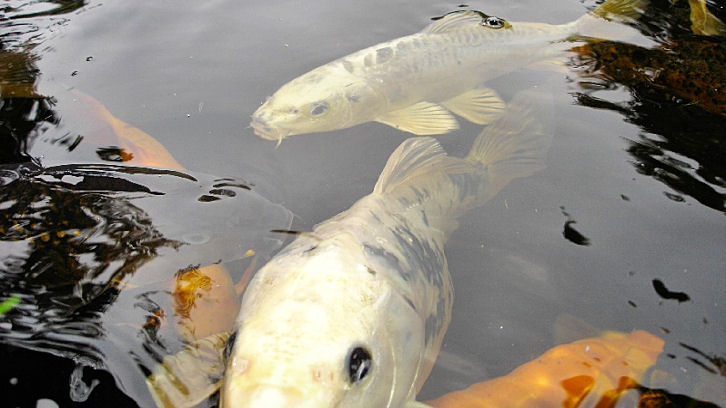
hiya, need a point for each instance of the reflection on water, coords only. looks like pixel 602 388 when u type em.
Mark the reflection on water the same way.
pixel 678 101
pixel 73 237
pixel 26 23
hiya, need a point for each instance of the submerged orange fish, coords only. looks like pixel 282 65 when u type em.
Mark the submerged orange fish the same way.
pixel 589 372
pixel 205 298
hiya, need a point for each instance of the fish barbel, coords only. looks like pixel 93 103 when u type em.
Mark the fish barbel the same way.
pixel 353 313
pixel 413 83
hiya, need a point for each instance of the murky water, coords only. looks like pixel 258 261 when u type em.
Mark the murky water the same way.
pixel 624 230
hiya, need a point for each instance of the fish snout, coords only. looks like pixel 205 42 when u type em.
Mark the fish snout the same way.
pixel 264 129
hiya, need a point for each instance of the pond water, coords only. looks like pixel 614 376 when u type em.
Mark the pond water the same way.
pixel 623 230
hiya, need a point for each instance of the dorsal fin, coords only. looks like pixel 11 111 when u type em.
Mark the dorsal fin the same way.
pixel 456 20
pixel 407 161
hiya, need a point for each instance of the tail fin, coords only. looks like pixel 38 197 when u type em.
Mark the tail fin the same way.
pixel 607 20
pixel 621 11
pixel 419 171
pixel 516 144
pixel 703 22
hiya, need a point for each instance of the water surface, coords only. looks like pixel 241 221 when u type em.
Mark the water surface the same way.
pixel 633 194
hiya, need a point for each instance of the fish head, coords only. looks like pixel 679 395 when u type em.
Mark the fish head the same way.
pixel 324 99
pixel 327 333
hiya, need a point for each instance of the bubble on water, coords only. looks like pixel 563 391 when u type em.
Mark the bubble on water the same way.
pixel 196 238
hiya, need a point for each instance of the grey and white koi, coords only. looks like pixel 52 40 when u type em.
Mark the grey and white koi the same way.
pixel 353 314
pixel 413 83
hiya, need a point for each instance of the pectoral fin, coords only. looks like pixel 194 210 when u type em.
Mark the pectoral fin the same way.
pixel 190 376
pixel 516 144
pixel 423 118
pixel 481 105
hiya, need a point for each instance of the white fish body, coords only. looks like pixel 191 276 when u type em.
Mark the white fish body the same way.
pixel 414 82
pixel 353 314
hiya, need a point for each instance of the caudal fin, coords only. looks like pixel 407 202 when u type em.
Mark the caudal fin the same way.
pixel 703 22
pixel 608 20
pixel 516 144
pixel 621 10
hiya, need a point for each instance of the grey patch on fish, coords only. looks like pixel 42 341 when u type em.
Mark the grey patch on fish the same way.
pixel 424 218
pixel 401 46
pixel 410 303
pixel 375 216
pixel 391 259
pixel 436 320
pixel 383 55
pixel 348 65
pixel 368 60
pixel 433 325
pixel 315 78
pixel 422 252
pixel 352 98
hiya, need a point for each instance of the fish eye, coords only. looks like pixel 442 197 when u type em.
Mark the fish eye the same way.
pixel 318 108
pixel 358 364
pixel 494 22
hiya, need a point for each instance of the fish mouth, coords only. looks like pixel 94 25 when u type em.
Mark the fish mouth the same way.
pixel 265 131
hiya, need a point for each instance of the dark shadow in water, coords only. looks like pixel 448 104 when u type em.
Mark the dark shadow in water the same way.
pixel 660 398
pixel 718 363
pixel 663 292
pixel 677 100
pixel 570 233
pixel 23 112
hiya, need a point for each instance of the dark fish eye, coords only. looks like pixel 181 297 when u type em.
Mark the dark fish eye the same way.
pixel 494 22
pixel 358 363
pixel 318 108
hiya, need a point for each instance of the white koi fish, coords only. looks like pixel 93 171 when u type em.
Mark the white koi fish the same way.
pixel 414 83
pixel 353 314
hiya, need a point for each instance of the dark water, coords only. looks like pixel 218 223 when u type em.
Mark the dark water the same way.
pixel 624 230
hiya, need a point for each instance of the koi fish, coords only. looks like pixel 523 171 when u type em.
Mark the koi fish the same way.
pixel 415 83
pixel 197 292
pixel 588 372
pixel 354 312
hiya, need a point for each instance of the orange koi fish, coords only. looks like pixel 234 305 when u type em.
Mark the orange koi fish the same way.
pixel 200 292
pixel 590 372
